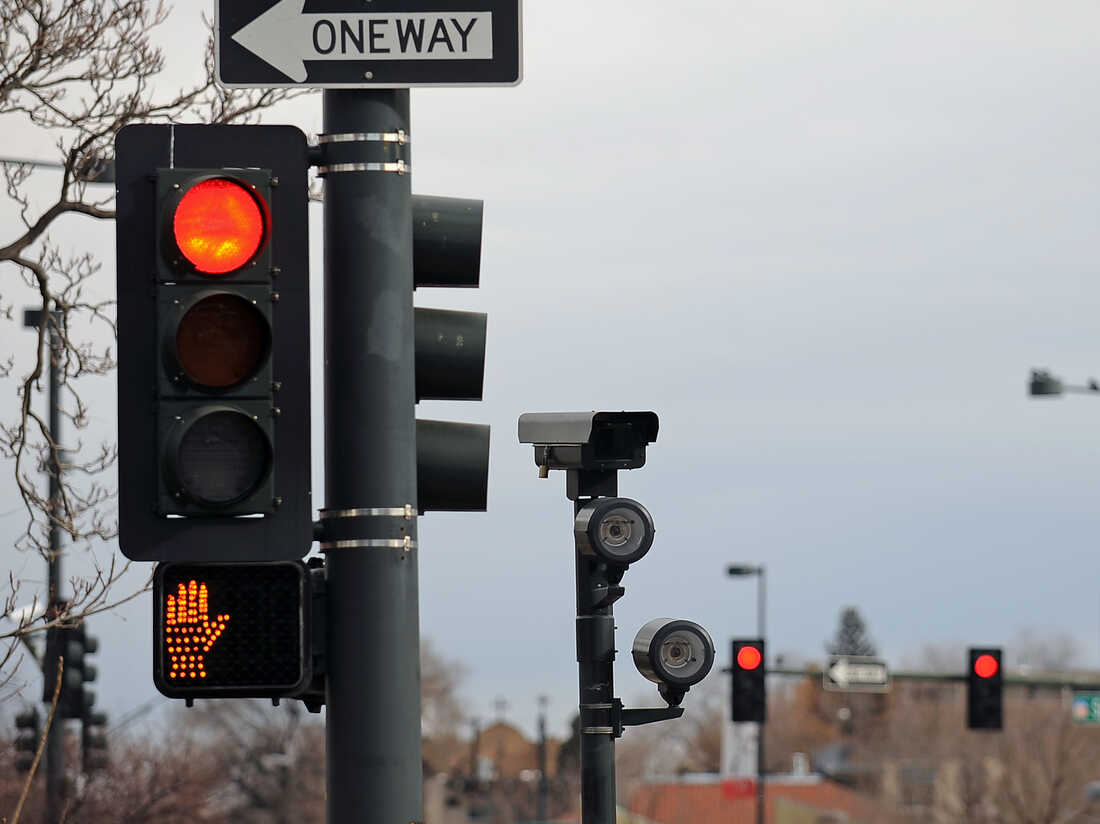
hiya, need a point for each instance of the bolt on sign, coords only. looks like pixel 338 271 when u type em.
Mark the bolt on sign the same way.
pixel 231 630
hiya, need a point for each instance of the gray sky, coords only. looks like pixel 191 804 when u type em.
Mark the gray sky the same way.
pixel 824 243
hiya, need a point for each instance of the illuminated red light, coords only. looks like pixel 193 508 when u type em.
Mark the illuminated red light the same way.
pixel 749 658
pixel 985 666
pixel 218 226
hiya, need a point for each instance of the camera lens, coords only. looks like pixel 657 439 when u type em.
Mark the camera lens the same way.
pixel 681 654
pixel 618 530
pixel 615 530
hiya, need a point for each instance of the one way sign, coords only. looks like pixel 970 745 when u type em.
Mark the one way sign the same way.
pixel 352 44
pixel 856 673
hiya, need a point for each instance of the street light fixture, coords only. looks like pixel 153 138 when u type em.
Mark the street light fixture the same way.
pixel 743 570
pixel 739 571
pixel 1045 384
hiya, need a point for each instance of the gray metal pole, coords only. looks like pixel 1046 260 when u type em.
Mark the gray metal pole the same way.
pixel 55 737
pixel 544 785
pixel 595 666
pixel 761 590
pixel 373 637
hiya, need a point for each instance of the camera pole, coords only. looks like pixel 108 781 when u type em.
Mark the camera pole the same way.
pixel 596 593
pixel 372 633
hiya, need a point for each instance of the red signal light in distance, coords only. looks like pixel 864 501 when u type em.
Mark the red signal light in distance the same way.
pixel 985 666
pixel 749 658
pixel 219 226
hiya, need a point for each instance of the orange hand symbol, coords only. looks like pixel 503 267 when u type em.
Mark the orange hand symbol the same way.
pixel 190 631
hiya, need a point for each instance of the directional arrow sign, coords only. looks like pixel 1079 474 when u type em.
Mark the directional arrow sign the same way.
pixel 397 43
pixel 856 673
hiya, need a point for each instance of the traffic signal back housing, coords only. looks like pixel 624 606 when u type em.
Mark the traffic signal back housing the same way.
pixel 984 689
pixel 213 330
pixel 748 672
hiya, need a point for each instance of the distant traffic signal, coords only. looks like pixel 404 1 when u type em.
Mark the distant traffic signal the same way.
pixel 984 689
pixel 66 646
pixel 231 630
pixel 452 459
pixel 93 740
pixel 748 694
pixel 213 320
pixel 28 735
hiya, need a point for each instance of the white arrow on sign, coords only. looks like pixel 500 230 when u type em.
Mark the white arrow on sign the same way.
pixel 847 673
pixel 285 37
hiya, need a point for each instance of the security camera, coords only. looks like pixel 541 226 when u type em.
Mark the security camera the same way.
pixel 616 530
pixel 600 441
pixel 673 653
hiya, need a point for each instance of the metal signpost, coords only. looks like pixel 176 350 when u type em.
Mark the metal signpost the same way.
pixel 855 673
pixel 212 276
pixel 394 44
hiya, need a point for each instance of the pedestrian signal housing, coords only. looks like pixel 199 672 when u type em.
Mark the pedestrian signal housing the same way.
pixel 231 630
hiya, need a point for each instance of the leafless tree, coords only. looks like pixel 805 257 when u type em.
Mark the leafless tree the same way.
pixel 76 71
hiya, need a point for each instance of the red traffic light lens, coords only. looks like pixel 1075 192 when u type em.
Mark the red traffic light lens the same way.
pixel 222 341
pixel 749 658
pixel 219 226
pixel 986 666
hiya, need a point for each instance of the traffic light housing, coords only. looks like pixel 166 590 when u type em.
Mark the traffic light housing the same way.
pixel 231 630
pixel 72 644
pixel 28 736
pixel 452 459
pixel 213 336
pixel 93 740
pixel 984 689
pixel 748 695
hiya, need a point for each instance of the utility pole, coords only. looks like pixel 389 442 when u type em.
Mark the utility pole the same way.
pixel 372 634
pixel 55 737
pixel 544 784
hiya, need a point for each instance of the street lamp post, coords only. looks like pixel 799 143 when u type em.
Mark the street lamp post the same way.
pixel 738 571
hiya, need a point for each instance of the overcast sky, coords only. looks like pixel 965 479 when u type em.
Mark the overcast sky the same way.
pixel 825 243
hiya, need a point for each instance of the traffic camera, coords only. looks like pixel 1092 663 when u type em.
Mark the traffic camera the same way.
pixel 616 530
pixel 674 654
pixel 598 441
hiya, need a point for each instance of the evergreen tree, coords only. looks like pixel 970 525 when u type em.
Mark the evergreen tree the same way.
pixel 851 635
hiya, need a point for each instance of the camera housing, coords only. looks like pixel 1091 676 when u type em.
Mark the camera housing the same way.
pixel 601 441
pixel 673 653
pixel 618 531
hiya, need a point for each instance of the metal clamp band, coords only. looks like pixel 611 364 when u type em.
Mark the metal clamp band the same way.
pixel 408 512
pixel 405 543
pixel 400 136
pixel 398 166
pixel 598 730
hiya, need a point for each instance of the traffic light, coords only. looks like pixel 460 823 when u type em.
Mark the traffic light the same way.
pixel 28 735
pixel 93 740
pixel 70 644
pixel 452 459
pixel 213 336
pixel 231 630
pixel 748 695
pixel 984 689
